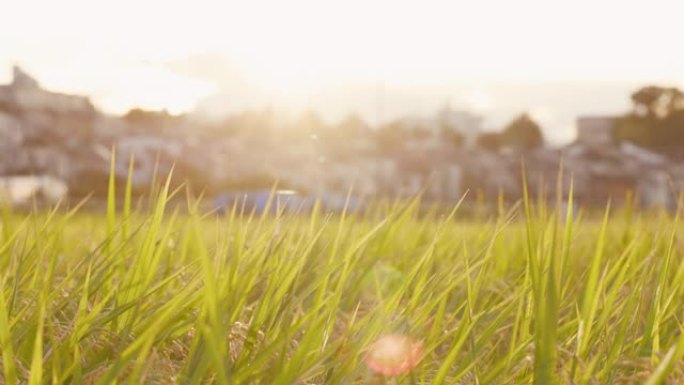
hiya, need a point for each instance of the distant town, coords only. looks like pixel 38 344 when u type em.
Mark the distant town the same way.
pixel 55 145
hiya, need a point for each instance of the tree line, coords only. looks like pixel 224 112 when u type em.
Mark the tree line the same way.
pixel 656 120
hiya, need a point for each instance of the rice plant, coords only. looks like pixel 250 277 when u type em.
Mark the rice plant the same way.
pixel 169 293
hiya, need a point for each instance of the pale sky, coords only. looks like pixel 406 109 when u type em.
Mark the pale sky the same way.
pixel 562 58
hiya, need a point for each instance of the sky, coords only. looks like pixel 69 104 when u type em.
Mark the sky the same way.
pixel 382 59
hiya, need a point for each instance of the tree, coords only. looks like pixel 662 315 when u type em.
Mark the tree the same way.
pixel 310 123
pixel 670 132
pixel 490 141
pixel 451 135
pixel 636 129
pixel 523 134
pixel 657 102
pixel 140 116
pixel 353 126
pixel 657 121
pixel 390 138
pixel 149 121
pixel 350 128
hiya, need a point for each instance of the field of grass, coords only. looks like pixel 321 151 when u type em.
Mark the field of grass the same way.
pixel 160 296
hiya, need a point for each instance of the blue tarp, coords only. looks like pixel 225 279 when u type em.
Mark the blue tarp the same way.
pixel 290 201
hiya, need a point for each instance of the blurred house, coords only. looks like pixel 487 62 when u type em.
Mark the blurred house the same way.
pixel 11 133
pixel 437 175
pixel 603 172
pixel 467 124
pixel 43 132
pixel 23 190
pixel 595 130
pixel 447 127
pixel 150 153
pixel 24 96
pixel 64 137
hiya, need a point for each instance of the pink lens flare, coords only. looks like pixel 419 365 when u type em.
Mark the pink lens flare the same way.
pixel 394 354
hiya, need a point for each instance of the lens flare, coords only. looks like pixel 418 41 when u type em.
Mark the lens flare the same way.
pixel 393 355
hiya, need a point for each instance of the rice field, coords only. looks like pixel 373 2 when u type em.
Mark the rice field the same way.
pixel 395 295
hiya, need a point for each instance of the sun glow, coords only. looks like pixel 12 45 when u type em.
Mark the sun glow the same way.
pixel 119 52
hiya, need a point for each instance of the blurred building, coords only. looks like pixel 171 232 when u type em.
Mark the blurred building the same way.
pixel 24 93
pixel 595 130
pixel 467 124
pixel 23 190
pixel 48 134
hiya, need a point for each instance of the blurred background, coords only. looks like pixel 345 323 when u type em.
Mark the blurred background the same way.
pixel 381 98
